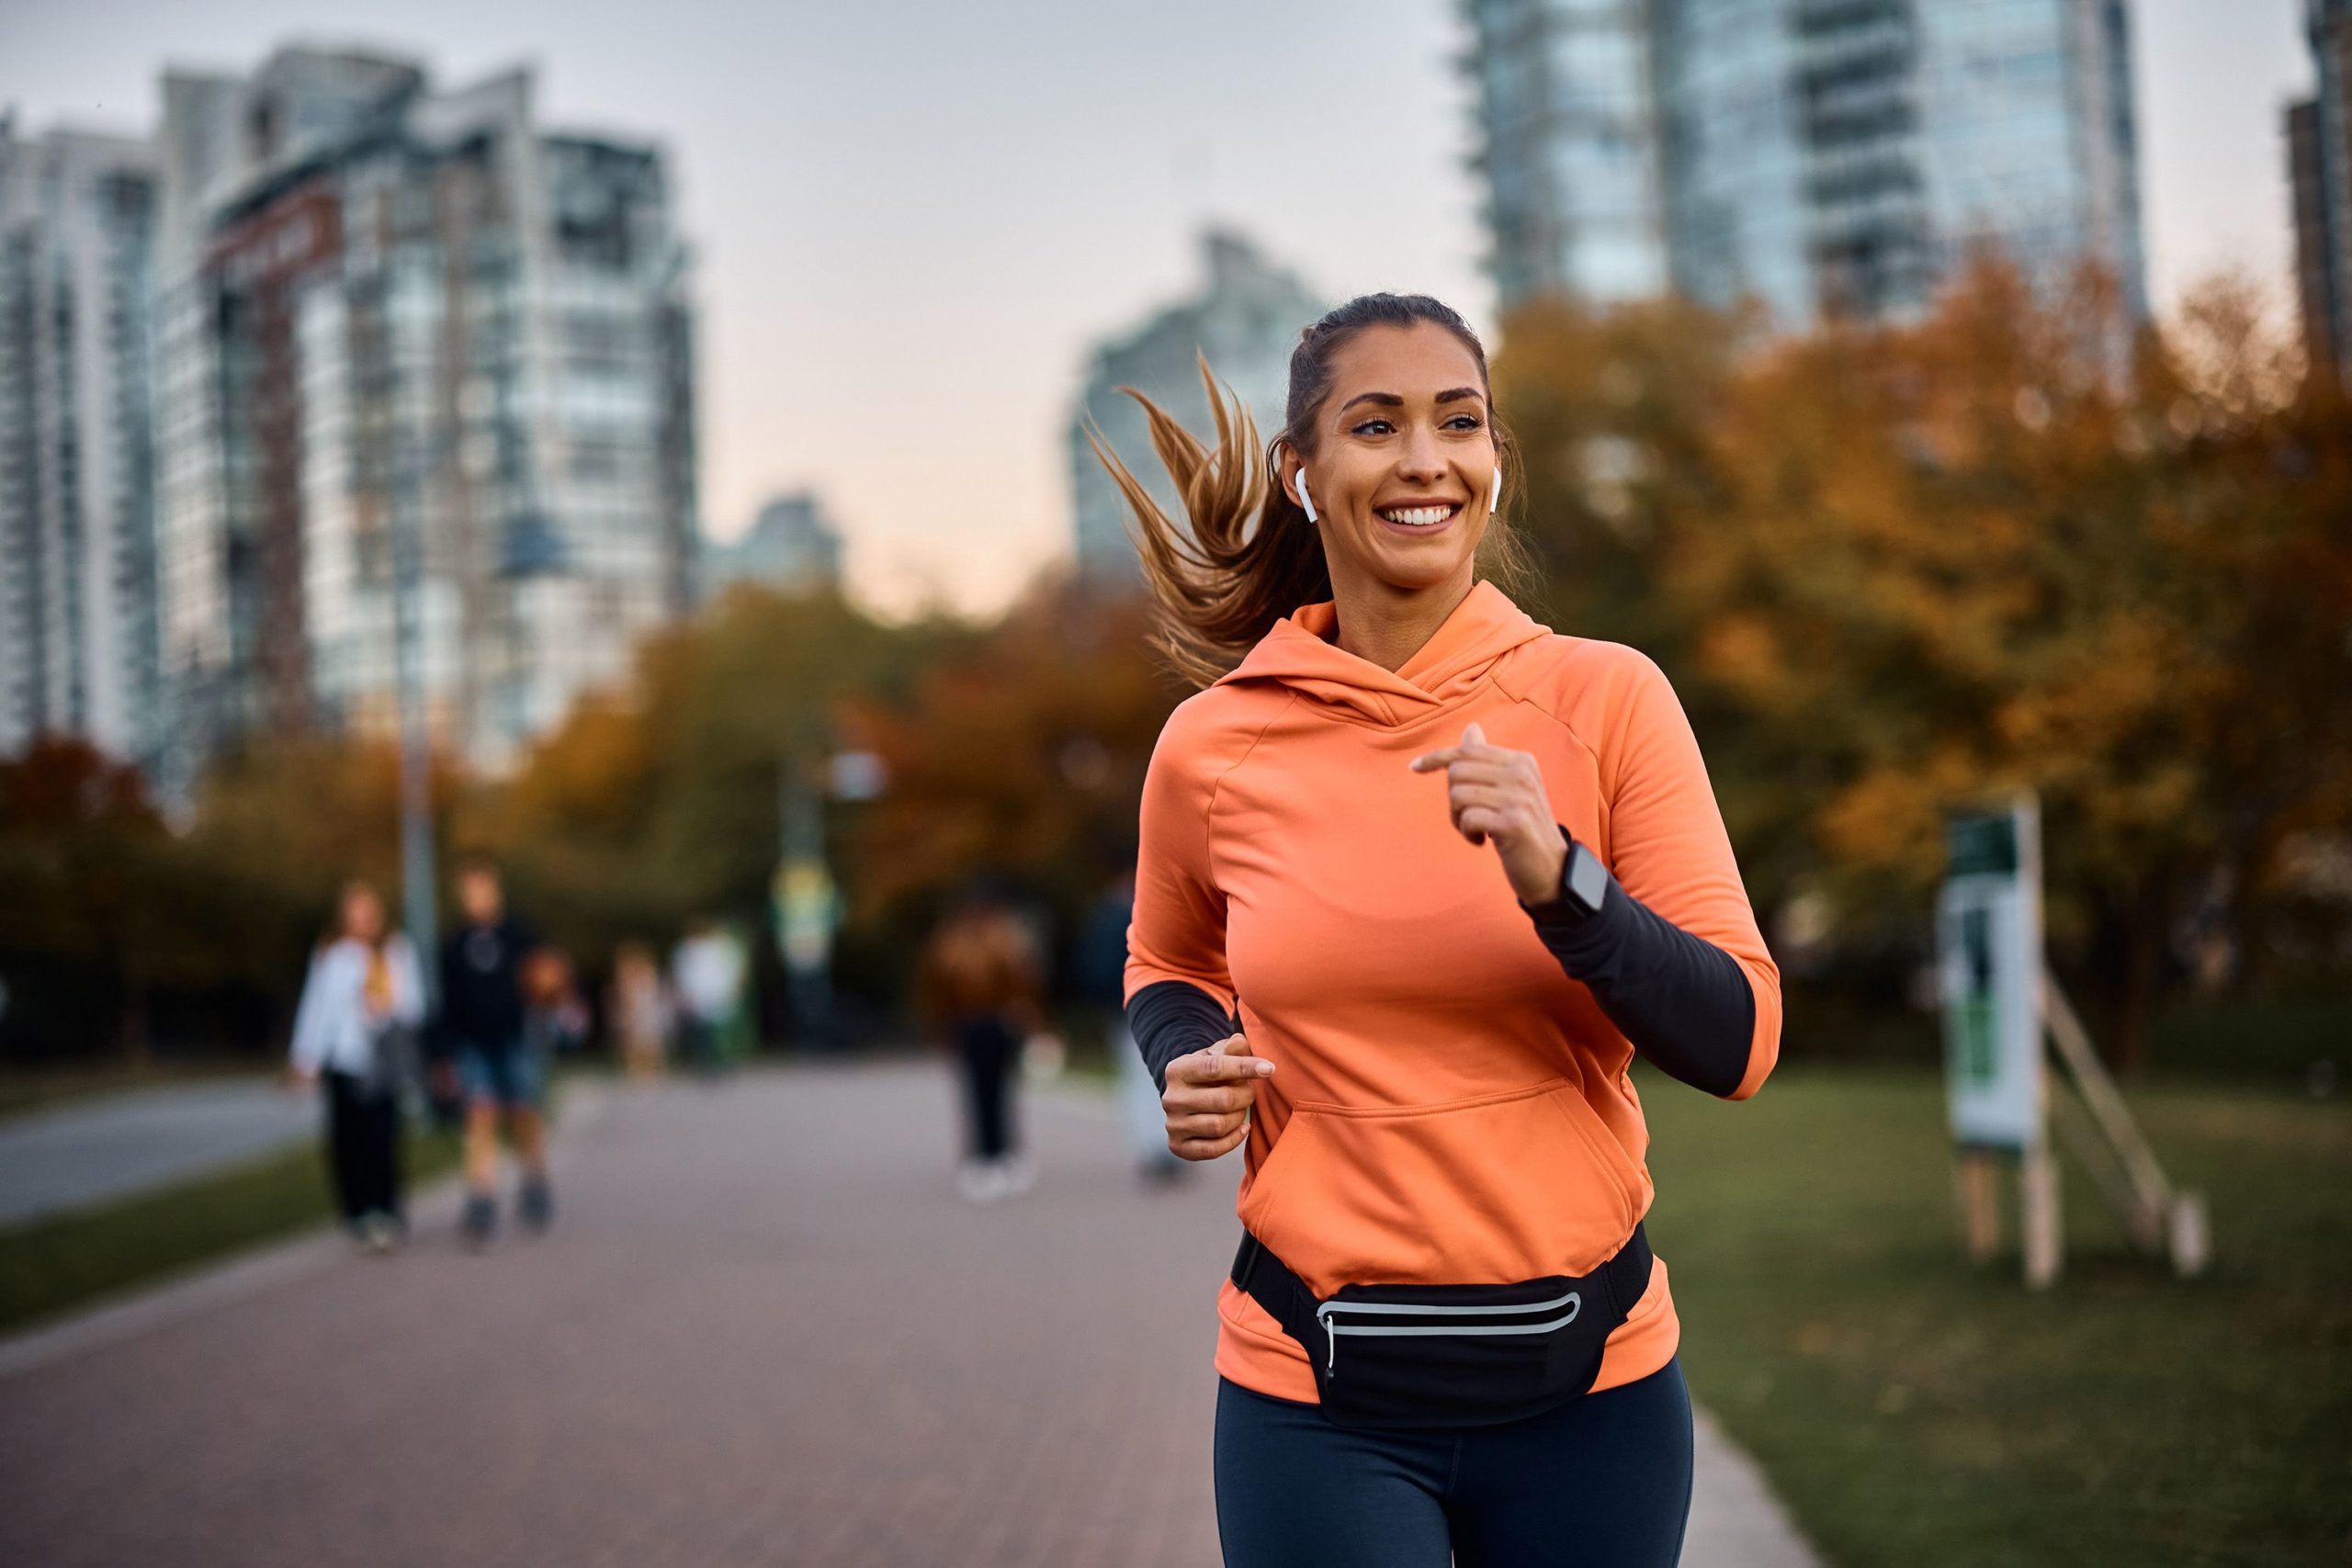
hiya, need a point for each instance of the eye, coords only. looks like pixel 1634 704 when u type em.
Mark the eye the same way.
pixel 1373 427
pixel 1465 421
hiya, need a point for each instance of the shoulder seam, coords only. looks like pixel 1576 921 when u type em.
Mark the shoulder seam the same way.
pixel 1208 816
pixel 1599 765
pixel 1521 695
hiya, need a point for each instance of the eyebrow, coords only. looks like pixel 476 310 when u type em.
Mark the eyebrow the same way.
pixel 1391 401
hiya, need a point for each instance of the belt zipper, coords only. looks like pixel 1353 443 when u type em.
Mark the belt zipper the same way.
pixel 1332 1328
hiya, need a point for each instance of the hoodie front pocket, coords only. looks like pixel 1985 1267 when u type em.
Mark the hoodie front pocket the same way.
pixel 1501 1188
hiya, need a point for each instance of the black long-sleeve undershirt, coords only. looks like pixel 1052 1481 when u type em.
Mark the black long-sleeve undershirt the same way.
pixel 1171 1019
pixel 1682 1001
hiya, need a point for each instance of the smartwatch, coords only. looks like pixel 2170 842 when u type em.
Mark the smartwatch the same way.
pixel 1584 884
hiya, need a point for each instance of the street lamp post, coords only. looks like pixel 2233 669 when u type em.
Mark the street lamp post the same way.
pixel 417 745
pixel 807 898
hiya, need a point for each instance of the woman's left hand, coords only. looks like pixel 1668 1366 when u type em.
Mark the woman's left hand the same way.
pixel 1496 794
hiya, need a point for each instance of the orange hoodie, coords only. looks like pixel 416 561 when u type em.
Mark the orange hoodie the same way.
pixel 1448 1108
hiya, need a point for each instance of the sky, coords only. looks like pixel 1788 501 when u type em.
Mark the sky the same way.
pixel 911 218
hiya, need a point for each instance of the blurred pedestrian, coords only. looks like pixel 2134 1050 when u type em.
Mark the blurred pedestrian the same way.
pixel 354 1030
pixel 706 973
pixel 639 1010
pixel 1100 968
pixel 554 1018
pixel 979 987
pixel 483 1013
pixel 1444 1338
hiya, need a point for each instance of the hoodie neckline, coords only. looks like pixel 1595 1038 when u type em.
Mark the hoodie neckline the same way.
pixel 1297 652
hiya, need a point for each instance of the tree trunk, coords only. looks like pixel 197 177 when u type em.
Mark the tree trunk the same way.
pixel 132 1039
pixel 2144 934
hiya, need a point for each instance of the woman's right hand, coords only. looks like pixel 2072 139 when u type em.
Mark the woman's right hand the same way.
pixel 1208 1098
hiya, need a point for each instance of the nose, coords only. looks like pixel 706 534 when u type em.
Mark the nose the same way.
pixel 1421 460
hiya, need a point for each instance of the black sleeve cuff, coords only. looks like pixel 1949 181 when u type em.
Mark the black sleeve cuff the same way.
pixel 1171 1019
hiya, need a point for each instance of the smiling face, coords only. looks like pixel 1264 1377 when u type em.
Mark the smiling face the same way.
pixel 1401 460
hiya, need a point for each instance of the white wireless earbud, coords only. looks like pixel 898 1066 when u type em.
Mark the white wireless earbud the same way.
pixel 1305 501
pixel 1495 496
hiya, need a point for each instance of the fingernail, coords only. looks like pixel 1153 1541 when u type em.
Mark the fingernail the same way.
pixel 1265 1069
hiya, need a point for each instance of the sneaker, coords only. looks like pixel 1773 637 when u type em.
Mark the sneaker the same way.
pixel 536 1204
pixel 378 1232
pixel 1014 1176
pixel 481 1219
pixel 978 1181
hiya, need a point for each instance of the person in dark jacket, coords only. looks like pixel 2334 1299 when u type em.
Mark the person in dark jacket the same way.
pixel 482 1016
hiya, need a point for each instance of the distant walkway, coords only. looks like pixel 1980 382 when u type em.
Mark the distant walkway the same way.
pixel 89 1150
pixel 765 1330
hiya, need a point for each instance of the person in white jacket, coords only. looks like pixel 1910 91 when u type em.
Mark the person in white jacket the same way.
pixel 361 1005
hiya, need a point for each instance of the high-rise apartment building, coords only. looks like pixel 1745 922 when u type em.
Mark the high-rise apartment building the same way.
pixel 78 642
pixel 1245 321
pixel 387 313
pixel 1826 157
pixel 2319 158
pixel 1575 200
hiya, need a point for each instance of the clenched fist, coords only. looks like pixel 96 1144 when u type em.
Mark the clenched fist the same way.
pixel 1496 796
pixel 1208 1098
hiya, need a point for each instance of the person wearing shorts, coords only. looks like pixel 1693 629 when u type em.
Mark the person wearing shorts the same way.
pixel 500 1078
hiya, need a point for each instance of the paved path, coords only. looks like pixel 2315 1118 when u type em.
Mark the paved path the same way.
pixel 764 1331
pixel 90 1151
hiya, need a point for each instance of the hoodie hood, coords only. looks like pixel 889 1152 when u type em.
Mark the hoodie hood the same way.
pixel 1298 652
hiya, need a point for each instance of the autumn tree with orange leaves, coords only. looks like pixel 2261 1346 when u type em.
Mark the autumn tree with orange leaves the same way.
pixel 1899 571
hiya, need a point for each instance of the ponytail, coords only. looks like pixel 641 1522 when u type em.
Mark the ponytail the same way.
pixel 1221 584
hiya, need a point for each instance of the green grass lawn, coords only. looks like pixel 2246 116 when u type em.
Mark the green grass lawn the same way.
pixel 51 1266
pixel 1915 1411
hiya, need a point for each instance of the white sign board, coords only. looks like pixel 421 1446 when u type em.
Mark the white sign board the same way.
pixel 1988 941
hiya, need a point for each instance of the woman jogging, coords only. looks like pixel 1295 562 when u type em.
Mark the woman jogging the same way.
pixel 1418 878
pixel 356 1028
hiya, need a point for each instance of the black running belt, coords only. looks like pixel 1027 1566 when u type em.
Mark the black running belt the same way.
pixel 1529 1307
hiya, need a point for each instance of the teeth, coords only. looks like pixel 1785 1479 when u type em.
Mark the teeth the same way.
pixel 1419 517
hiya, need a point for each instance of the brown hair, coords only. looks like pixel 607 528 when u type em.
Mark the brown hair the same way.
pixel 344 894
pixel 1222 584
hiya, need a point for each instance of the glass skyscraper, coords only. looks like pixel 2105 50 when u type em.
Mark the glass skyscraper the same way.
pixel 1571 154
pixel 1824 157
pixel 78 641
pixel 2319 154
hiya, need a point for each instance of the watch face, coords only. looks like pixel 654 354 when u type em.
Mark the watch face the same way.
pixel 1587 879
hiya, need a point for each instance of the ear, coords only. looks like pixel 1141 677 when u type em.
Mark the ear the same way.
pixel 1294 482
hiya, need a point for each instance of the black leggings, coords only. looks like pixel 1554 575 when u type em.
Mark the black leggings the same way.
pixel 363 1147
pixel 1604 1480
pixel 989 1049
